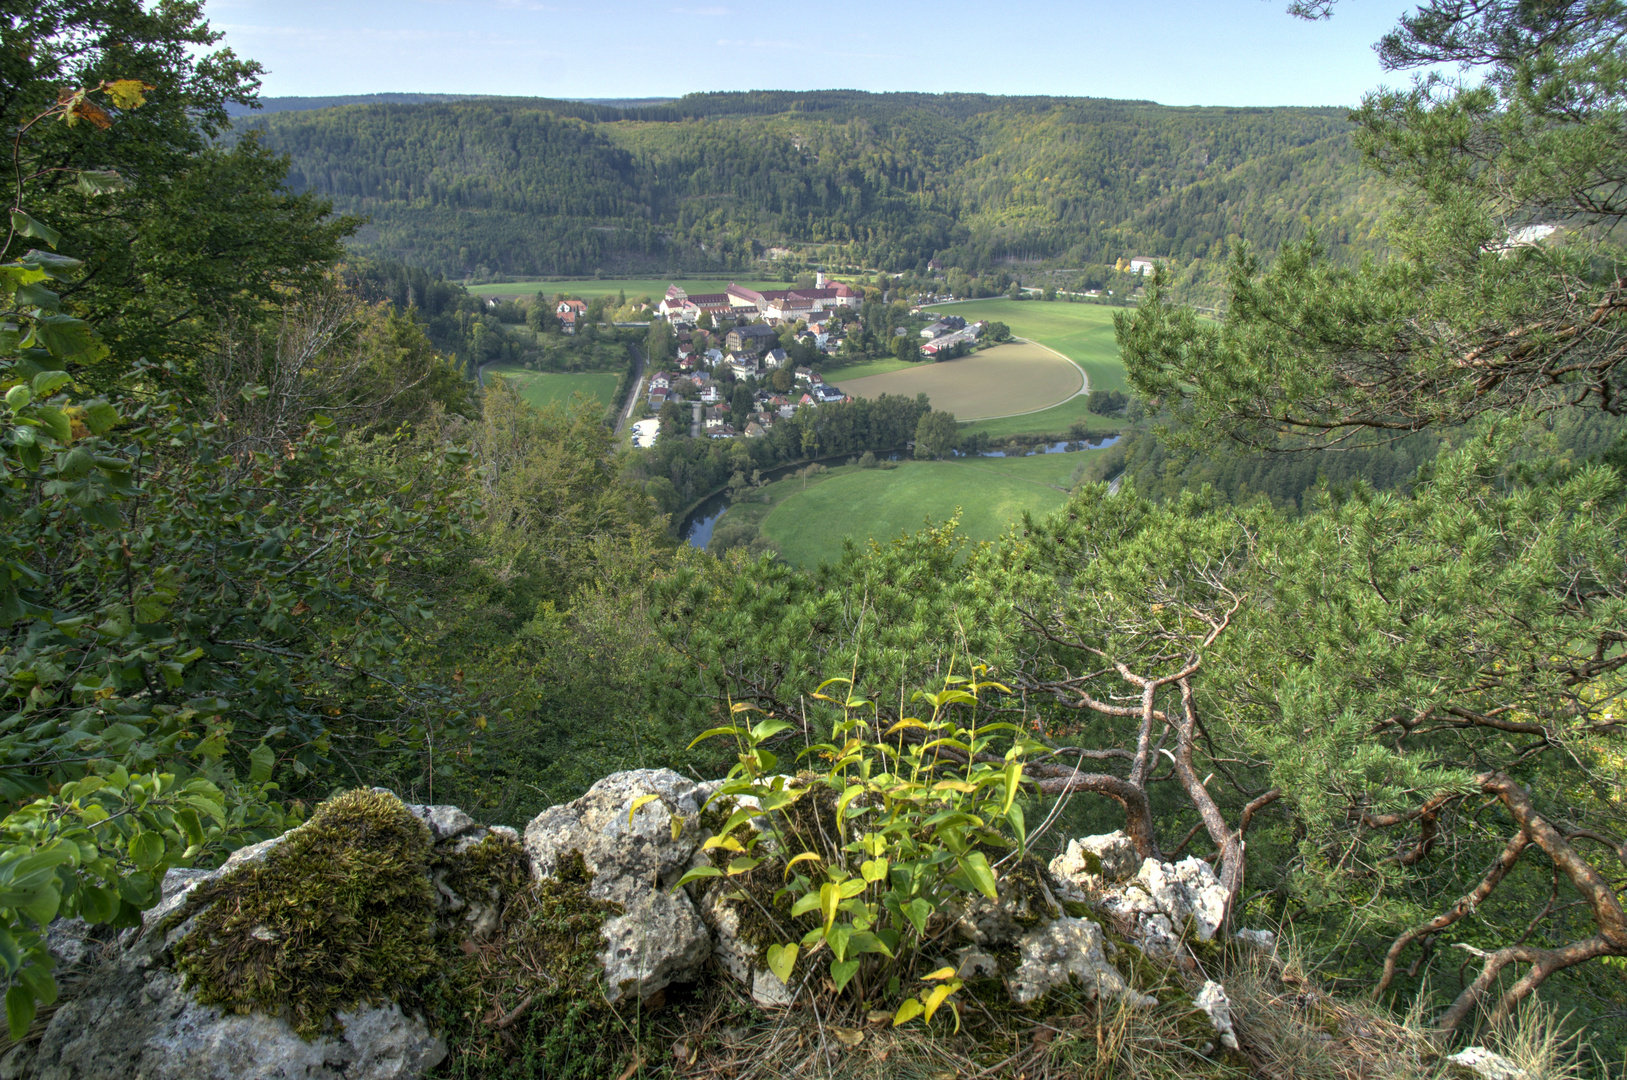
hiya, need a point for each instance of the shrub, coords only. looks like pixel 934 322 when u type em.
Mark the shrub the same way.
pixel 903 825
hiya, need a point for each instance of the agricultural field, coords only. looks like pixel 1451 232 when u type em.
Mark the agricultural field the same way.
pixel 1081 332
pixel 654 288
pixel 808 523
pixel 542 388
pixel 1005 380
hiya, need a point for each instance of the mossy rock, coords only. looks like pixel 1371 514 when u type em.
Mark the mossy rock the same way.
pixel 341 913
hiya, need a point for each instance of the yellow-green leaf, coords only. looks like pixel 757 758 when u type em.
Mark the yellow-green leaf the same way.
pixel 873 869
pixel 781 960
pixel 941 973
pixel 939 993
pixel 908 1011
pixel 806 856
pixel 642 800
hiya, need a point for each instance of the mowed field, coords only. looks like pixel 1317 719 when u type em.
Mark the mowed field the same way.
pixel 654 288
pixel 1007 379
pixel 1081 332
pixel 542 388
pixel 991 494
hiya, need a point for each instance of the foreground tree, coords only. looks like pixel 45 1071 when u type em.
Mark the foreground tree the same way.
pixel 1412 655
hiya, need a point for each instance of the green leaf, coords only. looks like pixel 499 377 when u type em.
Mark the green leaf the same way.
pixel 842 972
pixel 66 337
pixel 782 960
pixel 54 421
pixel 808 902
pixel 44 904
pixel 697 874
pixel 9 953
pixel 1014 775
pixel 873 870
pixel 767 728
pixel 918 911
pixel 20 1006
pixel 47 382
pixel 99 416
pixel 97 182
pixel 261 760
pixel 707 734
pixel 742 865
pixel 27 226
pixel 981 875
pixel 147 849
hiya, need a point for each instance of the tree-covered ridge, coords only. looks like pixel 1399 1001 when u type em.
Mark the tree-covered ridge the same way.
pixel 536 186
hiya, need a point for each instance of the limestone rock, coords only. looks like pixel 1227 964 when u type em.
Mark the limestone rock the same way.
pixel 1063 949
pixel 1186 890
pixel 973 963
pixel 139 1022
pixel 1481 1064
pixel 1263 942
pixel 635 862
pixel 1090 861
pixel 997 922
pixel 736 955
pixel 1214 1004
pixel 444 822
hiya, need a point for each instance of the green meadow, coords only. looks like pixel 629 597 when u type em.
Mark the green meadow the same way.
pixel 1081 332
pixel 542 388
pixel 808 521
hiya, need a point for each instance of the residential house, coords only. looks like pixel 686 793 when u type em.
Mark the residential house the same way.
pixel 1141 266
pixel 754 430
pixel 711 395
pixel 825 395
pixel 744 367
pixel 570 312
pixel 805 376
pixel 660 381
pixel 774 359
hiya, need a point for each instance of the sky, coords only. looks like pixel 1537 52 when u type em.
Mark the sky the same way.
pixel 1175 52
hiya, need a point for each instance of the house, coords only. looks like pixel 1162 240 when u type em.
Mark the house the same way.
pixel 660 381
pixel 826 395
pixel 774 359
pixel 754 430
pixel 658 398
pixel 805 375
pixel 787 410
pixel 714 357
pixel 946 325
pixel 744 367
pixel 569 312
pixel 711 395
pixel 752 338
pixel 1141 266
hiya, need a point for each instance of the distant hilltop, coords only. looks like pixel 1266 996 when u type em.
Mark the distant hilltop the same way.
pixel 302 104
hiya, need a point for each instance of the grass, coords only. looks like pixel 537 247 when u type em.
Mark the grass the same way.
pixel 1081 332
pixel 654 288
pixel 864 369
pixel 808 524
pixel 1007 379
pixel 542 388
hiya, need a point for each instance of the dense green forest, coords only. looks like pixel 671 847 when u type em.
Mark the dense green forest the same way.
pixel 519 186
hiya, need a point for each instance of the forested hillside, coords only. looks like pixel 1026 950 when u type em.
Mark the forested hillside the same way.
pixel 890 180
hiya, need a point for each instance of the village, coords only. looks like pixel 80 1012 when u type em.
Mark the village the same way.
pixel 733 372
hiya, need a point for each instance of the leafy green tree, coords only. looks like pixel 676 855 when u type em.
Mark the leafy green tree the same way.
pixel 740 405
pixel 936 435
pixel 907 347
pixel 997 331
pixel 203 231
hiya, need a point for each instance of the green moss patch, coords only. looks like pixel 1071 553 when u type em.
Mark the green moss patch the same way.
pixel 340 914
pixel 529 1001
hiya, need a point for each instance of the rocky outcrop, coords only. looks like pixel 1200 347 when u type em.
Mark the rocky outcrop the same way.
pixel 1062 951
pixel 134 1017
pixel 1159 907
pixel 1478 1063
pixel 628 843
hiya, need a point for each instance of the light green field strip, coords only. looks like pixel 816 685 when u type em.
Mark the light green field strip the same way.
pixel 654 288
pixel 541 388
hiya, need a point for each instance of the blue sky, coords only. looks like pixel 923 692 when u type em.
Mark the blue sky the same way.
pixel 1177 52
